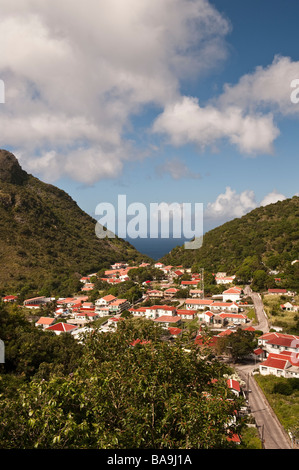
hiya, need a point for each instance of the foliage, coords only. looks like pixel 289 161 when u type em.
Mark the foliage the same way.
pixel 267 238
pixel 151 395
pixel 48 242
pixel 238 345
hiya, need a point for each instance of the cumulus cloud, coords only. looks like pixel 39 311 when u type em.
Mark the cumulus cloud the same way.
pixel 230 204
pixel 76 72
pixel 272 197
pixel 185 121
pixel 243 114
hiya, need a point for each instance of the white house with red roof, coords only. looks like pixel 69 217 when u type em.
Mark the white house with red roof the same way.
pixel 198 304
pixel 44 322
pixel 105 301
pixel 278 342
pixel 156 311
pixel 168 320
pixel 283 364
pixel 59 328
pixel 233 294
pixel 187 314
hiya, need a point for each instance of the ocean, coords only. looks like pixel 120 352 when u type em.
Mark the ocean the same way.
pixel 155 247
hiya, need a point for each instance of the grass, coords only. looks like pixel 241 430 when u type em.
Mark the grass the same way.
pixel 275 314
pixel 286 407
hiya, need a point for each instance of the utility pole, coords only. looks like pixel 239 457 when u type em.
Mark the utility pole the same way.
pixel 202 284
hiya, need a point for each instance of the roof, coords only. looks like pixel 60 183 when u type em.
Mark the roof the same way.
pixel 277 291
pixel 199 301
pixel 186 312
pixel 225 333
pixel 109 297
pixel 45 321
pixel 167 318
pixel 63 327
pixel 234 384
pixel 233 290
pixel 281 339
pixel 174 331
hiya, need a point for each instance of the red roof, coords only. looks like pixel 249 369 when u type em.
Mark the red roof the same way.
pixel 62 327
pixel 231 383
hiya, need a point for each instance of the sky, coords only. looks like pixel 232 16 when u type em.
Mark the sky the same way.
pixel 187 101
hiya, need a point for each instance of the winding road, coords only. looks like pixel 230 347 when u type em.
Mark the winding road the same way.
pixel 272 434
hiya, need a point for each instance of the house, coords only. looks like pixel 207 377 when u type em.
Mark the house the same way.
pixel 222 278
pixel 233 294
pixel 44 322
pixel 195 293
pixel 159 265
pixel 187 314
pixel 168 320
pixel 36 302
pixel 288 307
pixel 156 311
pixel 118 305
pixel 206 316
pixel 155 294
pixel 174 331
pixel 284 364
pixel 59 328
pixel 10 298
pixel 277 291
pixel 198 304
pixel 105 301
pixel 234 318
pixel 224 307
pixel 185 284
pixel 234 386
pixel 87 287
pixel 170 293
pixel 278 342
pixel 137 312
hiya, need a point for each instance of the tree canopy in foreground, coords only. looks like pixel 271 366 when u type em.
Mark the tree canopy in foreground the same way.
pixel 148 393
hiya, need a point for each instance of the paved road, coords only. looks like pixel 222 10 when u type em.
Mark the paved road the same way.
pixel 270 430
pixel 259 309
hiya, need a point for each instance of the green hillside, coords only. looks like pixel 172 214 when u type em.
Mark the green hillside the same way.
pixel 47 241
pixel 265 239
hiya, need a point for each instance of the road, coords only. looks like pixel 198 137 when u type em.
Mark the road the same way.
pixel 270 430
pixel 259 310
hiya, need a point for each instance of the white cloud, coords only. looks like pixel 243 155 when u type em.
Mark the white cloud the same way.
pixel 230 204
pixel 272 197
pixel 76 72
pixel 243 114
pixel 185 121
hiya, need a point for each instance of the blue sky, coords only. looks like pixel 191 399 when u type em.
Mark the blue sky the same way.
pixel 169 100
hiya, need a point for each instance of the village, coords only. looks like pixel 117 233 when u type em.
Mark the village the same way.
pixel 176 301
pixel 277 353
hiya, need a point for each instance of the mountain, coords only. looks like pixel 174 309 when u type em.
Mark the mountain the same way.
pixel 47 241
pixel 266 238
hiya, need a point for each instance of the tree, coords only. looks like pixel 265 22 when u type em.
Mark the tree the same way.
pixel 238 345
pixel 151 395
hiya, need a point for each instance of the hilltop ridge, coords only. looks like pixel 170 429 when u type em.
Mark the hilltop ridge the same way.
pixel 47 241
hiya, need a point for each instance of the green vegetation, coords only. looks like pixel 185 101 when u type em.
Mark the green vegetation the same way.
pixel 47 241
pixel 283 396
pixel 237 345
pixel 289 321
pixel 108 393
pixel 251 247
